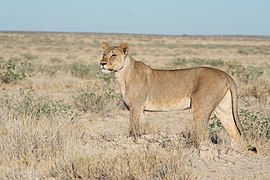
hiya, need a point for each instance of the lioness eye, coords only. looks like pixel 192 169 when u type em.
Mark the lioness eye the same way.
pixel 113 55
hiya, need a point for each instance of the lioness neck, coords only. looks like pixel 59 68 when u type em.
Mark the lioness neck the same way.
pixel 129 64
pixel 123 74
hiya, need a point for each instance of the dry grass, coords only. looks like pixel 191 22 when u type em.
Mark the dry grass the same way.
pixel 60 118
pixel 125 165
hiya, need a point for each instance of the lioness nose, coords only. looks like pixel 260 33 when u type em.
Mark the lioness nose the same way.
pixel 103 63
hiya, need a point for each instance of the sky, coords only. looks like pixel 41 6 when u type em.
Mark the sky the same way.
pixel 163 17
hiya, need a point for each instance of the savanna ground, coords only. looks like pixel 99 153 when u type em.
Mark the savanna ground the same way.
pixel 61 118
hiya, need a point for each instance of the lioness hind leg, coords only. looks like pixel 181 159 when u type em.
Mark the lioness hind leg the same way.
pixel 200 126
pixel 225 114
pixel 201 115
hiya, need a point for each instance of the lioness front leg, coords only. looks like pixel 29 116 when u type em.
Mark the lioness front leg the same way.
pixel 135 117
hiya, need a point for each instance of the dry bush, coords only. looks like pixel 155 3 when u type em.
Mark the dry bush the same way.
pixel 259 90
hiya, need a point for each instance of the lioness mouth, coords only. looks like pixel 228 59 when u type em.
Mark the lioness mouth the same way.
pixel 102 68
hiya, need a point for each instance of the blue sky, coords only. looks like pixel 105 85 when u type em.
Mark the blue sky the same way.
pixel 171 17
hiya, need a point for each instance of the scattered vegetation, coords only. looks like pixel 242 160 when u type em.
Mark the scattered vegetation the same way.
pixel 194 62
pixel 264 50
pixel 83 70
pixel 49 131
pixel 96 99
pixel 15 69
pixel 245 74
pixel 27 103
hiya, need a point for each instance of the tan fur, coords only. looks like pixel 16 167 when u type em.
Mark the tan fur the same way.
pixel 205 90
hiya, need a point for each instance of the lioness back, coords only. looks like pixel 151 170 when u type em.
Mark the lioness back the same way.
pixel 173 89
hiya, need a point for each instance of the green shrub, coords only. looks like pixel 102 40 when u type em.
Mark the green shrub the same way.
pixel 255 124
pixel 246 74
pixel 48 69
pixel 76 69
pixel 183 62
pixel 83 70
pixel 180 62
pixel 108 78
pixel 56 60
pixel 95 99
pixel 27 103
pixel 30 56
pixel 12 70
pixel 214 126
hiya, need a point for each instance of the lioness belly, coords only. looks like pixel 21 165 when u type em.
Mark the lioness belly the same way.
pixel 168 105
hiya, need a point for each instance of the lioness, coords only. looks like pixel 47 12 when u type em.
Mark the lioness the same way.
pixel 203 89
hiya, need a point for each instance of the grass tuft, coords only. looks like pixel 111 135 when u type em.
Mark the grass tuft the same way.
pixel 125 165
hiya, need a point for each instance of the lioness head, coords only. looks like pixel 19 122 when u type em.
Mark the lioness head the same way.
pixel 113 58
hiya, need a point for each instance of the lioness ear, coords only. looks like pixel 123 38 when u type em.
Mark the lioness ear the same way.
pixel 124 46
pixel 105 46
